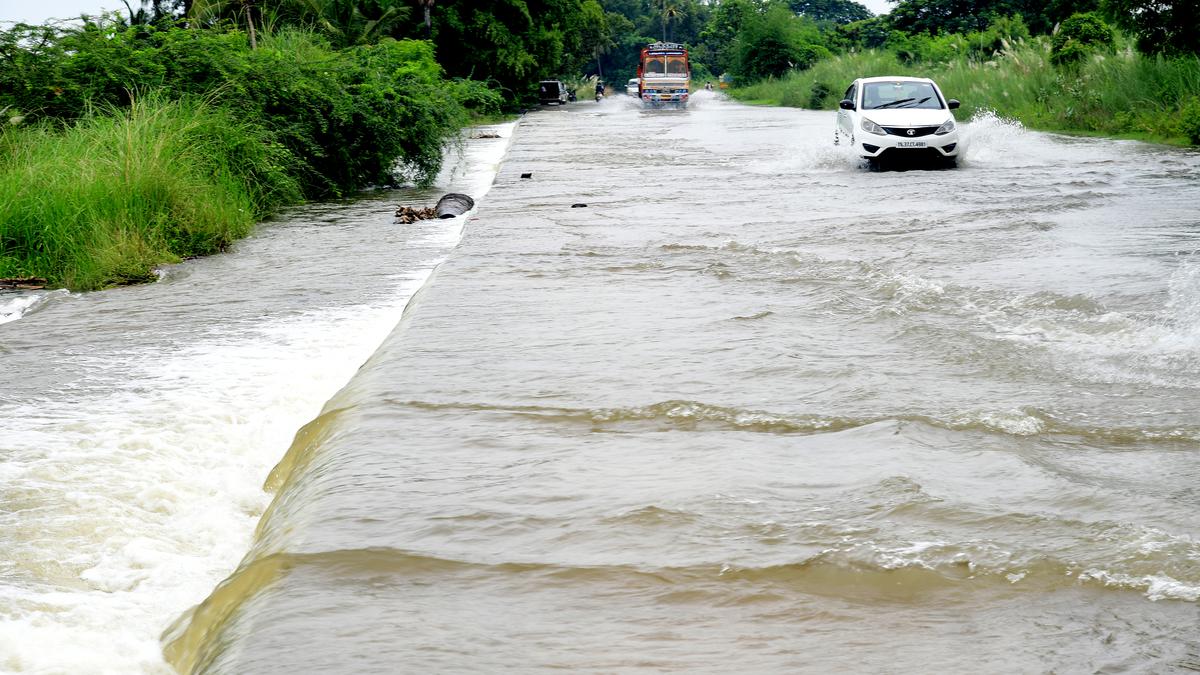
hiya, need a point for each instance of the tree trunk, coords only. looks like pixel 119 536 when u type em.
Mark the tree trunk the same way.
pixel 428 23
pixel 250 23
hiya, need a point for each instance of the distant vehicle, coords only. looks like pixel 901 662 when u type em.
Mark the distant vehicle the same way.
pixel 631 87
pixel 552 91
pixel 898 118
pixel 664 75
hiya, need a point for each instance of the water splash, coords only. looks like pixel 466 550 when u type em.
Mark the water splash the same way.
pixel 990 139
pixel 14 307
pixel 1183 305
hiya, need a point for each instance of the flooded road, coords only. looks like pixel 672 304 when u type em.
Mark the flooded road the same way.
pixel 754 408
pixel 137 424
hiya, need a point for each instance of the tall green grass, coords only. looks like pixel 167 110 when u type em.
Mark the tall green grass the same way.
pixel 116 194
pixel 1121 93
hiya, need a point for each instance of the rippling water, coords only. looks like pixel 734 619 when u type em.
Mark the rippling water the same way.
pixel 137 424
pixel 757 409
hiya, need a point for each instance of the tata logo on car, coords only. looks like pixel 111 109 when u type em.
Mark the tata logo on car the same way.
pixel 911 132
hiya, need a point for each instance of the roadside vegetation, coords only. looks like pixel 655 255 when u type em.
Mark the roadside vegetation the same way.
pixel 1122 93
pixel 106 199
pixel 1121 67
pixel 127 142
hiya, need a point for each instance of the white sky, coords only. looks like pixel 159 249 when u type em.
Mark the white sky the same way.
pixel 877 6
pixel 37 11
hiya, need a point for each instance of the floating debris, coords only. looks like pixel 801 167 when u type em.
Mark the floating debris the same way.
pixel 23 284
pixel 449 206
pixel 453 204
pixel 408 215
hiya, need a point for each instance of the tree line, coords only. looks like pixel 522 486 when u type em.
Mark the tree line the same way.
pixel 753 39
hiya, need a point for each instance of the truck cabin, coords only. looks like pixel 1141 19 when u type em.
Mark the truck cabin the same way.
pixel 664 65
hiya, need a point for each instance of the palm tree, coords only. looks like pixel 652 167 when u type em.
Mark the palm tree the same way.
pixel 345 22
pixel 138 18
pixel 207 10
pixel 342 20
pixel 670 11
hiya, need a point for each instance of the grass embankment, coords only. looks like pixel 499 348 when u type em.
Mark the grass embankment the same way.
pixel 1121 94
pixel 94 199
pixel 108 199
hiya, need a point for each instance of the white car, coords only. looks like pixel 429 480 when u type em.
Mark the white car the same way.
pixel 898 118
pixel 631 87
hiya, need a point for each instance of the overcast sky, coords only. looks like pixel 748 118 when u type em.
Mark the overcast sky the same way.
pixel 37 11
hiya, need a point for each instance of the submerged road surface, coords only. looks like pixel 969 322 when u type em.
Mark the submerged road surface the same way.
pixel 754 409
pixel 758 409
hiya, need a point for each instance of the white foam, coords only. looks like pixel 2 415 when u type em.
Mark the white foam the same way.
pixel 123 509
pixel 988 139
pixel 13 307
pixel 1012 422
pixel 1155 586
pixel 149 495
pixel 1183 308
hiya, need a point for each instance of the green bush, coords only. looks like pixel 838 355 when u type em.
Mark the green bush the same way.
pixel 477 97
pixel 117 193
pixel 1124 93
pixel 818 94
pixel 1077 37
pixel 350 117
pixel 1001 35
pixel 1189 120
pixel 775 42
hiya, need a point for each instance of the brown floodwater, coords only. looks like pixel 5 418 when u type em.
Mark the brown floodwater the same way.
pixel 755 408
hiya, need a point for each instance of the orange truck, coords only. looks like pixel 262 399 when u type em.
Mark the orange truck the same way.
pixel 664 75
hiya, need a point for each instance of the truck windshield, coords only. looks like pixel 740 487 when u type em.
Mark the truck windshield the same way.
pixel 655 65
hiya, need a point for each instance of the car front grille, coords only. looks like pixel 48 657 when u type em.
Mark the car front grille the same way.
pixel 916 131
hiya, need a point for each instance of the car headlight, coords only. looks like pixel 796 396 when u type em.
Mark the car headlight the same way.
pixel 872 128
pixel 946 128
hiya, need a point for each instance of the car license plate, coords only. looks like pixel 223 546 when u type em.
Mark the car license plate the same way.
pixel 910 144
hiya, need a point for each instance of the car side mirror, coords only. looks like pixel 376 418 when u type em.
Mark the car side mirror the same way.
pixel 952 103
pixel 847 104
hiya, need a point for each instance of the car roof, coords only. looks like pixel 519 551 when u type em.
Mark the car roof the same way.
pixel 895 78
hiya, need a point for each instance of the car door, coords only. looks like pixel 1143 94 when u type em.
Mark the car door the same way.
pixel 845 119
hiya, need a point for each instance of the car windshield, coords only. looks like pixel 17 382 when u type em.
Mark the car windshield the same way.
pixel 902 94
